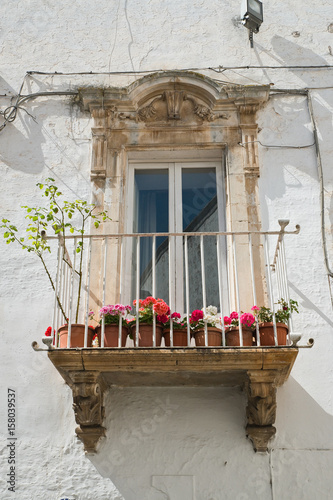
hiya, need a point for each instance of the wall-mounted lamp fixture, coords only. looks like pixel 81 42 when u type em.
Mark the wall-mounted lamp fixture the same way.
pixel 252 17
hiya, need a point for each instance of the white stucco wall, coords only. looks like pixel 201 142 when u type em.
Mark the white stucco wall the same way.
pixel 191 442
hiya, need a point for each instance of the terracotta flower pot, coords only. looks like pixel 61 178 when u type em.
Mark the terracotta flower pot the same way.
pixel 146 334
pixel 77 335
pixel 232 336
pixel 266 332
pixel 214 337
pixel 179 337
pixel 111 333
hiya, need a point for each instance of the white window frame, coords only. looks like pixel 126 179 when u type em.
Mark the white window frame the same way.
pixel 174 163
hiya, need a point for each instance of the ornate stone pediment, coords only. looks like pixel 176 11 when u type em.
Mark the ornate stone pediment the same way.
pixel 170 109
pixel 173 105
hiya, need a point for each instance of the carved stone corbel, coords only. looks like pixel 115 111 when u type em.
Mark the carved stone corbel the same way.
pixel 88 390
pixel 261 408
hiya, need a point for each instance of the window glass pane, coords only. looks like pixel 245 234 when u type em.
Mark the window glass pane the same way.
pixel 199 199
pixel 151 215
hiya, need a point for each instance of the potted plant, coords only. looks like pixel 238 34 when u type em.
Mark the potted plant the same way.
pixel 231 323
pixel 148 313
pixel 115 325
pixel 179 330
pixel 212 320
pixel 60 217
pixel 266 324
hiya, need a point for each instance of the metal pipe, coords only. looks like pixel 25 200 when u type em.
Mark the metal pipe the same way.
pixel 154 284
pixel 120 292
pixel 71 294
pixel 201 233
pixel 237 291
pixel 187 293
pixel 220 281
pixel 136 341
pixel 271 297
pixel 203 283
pixel 171 284
pixel 104 290
pixel 55 307
pixel 254 287
pixel 87 294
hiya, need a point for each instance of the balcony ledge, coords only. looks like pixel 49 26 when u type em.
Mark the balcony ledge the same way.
pixel 90 371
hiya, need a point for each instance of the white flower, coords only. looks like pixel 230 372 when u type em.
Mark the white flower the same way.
pixel 212 319
pixel 211 310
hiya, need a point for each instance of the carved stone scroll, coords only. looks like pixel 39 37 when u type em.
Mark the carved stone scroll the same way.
pixel 261 408
pixel 88 389
pixel 204 112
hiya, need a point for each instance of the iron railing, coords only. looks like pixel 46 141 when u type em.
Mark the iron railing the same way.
pixel 238 269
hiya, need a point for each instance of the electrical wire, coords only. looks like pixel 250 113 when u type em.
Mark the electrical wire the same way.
pixel 10 113
pixel 217 69
pixel 277 145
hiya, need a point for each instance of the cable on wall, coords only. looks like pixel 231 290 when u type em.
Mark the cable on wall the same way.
pixel 321 182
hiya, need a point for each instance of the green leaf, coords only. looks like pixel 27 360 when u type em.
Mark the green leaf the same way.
pixel 72 230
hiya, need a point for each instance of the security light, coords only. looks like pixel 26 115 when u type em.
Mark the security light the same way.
pixel 252 16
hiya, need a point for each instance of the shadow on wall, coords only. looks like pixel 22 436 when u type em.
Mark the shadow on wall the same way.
pixel 290 53
pixel 22 151
pixel 302 454
pixel 190 443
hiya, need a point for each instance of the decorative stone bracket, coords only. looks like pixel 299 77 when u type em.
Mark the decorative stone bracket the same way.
pixel 89 372
pixel 261 407
pixel 88 391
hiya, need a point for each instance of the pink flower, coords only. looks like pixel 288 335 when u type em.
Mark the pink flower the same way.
pixel 175 315
pixel 255 309
pixel 247 319
pixel 234 315
pixel 227 320
pixel 162 318
pixel 196 315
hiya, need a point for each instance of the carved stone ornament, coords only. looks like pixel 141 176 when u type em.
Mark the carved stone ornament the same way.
pixel 174 100
pixel 261 408
pixel 88 388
